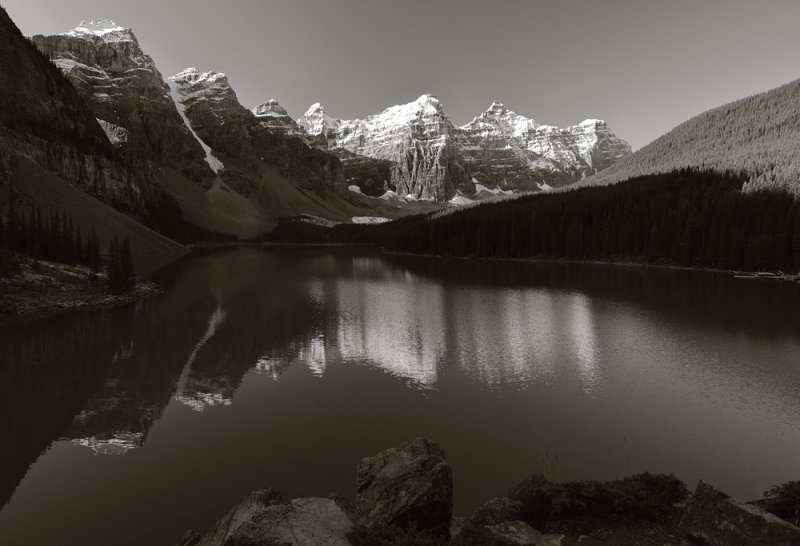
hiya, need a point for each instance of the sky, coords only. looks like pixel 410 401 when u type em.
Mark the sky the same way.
pixel 644 66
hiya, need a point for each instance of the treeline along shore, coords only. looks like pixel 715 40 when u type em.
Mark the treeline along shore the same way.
pixel 687 218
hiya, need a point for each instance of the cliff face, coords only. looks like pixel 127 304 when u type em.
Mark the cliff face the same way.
pixel 275 118
pixel 432 159
pixel 187 137
pixel 46 119
pixel 417 138
pixel 513 152
pixel 127 93
pixel 247 144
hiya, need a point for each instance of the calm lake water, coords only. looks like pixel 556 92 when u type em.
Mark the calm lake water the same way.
pixel 284 368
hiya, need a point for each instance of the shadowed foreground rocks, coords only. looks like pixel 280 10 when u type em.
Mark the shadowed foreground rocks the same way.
pixel 407 485
pixel 718 520
pixel 263 518
pixel 404 497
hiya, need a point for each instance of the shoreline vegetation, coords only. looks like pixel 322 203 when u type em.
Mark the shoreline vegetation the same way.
pixel 684 220
pixel 688 218
pixel 51 288
pixel 43 289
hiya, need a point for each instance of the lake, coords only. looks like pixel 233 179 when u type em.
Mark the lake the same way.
pixel 284 367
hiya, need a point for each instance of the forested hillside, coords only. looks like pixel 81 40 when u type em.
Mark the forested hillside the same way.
pixel 686 218
pixel 758 136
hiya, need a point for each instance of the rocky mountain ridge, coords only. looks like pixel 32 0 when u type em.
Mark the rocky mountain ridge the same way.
pixel 433 159
pixel 230 169
pixel 417 138
pixel 225 169
pixel 125 90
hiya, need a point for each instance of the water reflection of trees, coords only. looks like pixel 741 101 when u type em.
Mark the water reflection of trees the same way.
pixel 47 373
pixel 104 378
pixel 716 299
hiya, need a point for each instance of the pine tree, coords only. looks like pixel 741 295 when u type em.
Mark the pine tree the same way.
pixel 79 253
pixel 93 251
pixel 113 265
pixel 126 279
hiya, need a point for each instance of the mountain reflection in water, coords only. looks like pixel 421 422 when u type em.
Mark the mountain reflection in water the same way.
pixel 282 368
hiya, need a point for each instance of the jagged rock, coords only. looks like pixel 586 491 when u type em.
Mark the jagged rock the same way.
pixel 124 88
pixel 417 138
pixel 520 533
pixel 718 520
pixel 407 485
pixel 242 141
pixel 499 149
pixel 262 518
pixel 45 119
pixel 372 176
pixel 172 137
pixel 512 152
pixel 274 117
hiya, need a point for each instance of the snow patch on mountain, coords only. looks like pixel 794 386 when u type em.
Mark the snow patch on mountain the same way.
pixel 214 163
pixel 370 220
pixel 116 134
pixel 106 29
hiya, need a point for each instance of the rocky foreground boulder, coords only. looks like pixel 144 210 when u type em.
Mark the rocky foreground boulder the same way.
pixel 404 496
pixel 410 486
pixel 405 485
pixel 718 520
pixel 263 518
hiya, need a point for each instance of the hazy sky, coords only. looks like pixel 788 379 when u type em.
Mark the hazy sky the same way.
pixel 642 65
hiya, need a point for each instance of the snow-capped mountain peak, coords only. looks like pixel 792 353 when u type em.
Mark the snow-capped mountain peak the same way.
pixel 499 119
pixel 274 117
pixel 106 29
pixel 497 107
pixel 429 100
pixel 195 75
pixel 269 107
pixel 316 122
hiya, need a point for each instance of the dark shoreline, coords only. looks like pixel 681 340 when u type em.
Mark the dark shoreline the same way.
pixel 145 287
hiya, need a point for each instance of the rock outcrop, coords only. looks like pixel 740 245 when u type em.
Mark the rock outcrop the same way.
pixel 407 485
pixel 408 489
pixel 276 119
pixel 718 520
pixel 263 518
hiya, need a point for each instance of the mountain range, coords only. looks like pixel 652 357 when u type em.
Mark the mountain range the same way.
pixel 181 152
pixel 430 158
pixel 184 157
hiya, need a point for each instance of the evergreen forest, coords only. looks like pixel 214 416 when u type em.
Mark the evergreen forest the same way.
pixel 687 218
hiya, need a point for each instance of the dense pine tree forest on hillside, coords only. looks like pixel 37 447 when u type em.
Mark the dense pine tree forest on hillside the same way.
pixel 688 218
pixel 58 238
pixel 758 136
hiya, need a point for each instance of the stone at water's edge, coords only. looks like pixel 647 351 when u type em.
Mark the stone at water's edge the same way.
pixel 520 533
pixel 498 510
pixel 718 520
pixel 407 485
pixel 262 518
